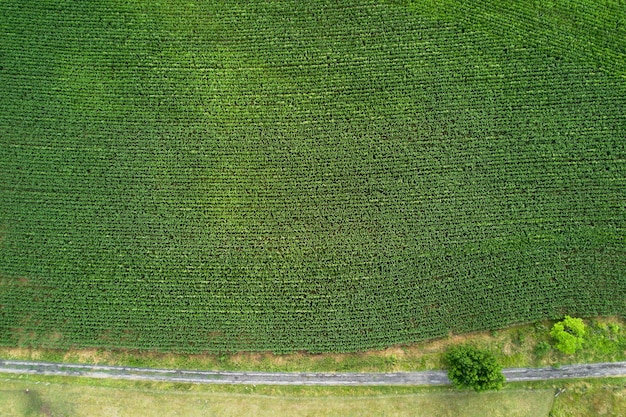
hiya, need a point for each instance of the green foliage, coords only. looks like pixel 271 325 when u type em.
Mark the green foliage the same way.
pixel 569 334
pixel 322 175
pixel 541 348
pixel 614 328
pixel 606 340
pixel 470 367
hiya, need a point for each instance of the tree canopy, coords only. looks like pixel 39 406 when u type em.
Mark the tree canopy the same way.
pixel 470 367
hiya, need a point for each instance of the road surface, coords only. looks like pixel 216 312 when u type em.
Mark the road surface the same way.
pixel 594 370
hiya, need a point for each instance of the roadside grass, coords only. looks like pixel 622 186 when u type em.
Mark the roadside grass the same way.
pixel 520 346
pixel 586 398
pixel 76 398
pixel 70 396
pixel 12 404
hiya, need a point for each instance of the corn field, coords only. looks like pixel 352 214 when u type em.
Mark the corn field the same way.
pixel 217 176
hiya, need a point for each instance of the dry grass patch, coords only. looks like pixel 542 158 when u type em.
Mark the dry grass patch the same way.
pixel 21 353
pixel 93 356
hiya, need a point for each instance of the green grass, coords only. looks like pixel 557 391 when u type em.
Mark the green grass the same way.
pixel 321 176
pixel 66 399
pixel 586 398
pixel 67 396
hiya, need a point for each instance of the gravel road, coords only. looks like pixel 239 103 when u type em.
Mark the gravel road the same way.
pixel 299 378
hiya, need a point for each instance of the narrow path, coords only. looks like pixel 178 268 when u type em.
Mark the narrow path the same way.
pixel 594 370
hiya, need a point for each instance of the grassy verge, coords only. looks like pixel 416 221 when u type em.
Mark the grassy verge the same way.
pixel 527 345
pixel 42 396
pixel 67 396
pixel 592 398
pixel 583 397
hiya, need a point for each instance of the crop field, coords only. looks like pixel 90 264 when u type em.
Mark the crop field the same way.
pixel 322 175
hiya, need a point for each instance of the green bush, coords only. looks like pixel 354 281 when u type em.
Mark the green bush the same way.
pixel 470 367
pixel 542 348
pixel 568 334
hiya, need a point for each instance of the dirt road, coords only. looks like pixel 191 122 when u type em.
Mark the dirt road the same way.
pixel 298 378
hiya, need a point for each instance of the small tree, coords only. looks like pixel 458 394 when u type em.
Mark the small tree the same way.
pixel 469 367
pixel 569 334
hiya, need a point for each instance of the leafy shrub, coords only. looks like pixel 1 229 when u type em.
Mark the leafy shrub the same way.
pixel 569 334
pixel 470 367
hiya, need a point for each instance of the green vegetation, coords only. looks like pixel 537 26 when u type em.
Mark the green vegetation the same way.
pixel 84 396
pixel 327 175
pixel 520 346
pixel 65 399
pixel 469 367
pixel 569 334
pixel 605 397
